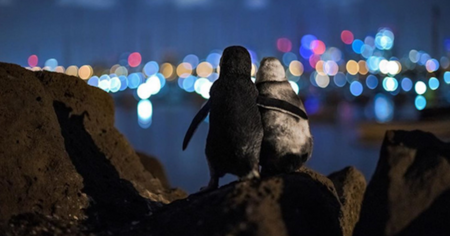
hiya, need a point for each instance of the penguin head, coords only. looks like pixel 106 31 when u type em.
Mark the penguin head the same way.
pixel 270 70
pixel 235 60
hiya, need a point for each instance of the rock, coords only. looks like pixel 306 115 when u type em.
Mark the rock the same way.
pixel 61 154
pixel 154 166
pixel 350 186
pixel 296 204
pixel 409 193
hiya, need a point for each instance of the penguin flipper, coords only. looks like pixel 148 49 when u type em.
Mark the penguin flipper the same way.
pixel 201 115
pixel 280 105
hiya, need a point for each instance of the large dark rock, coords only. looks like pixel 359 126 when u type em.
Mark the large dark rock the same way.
pixel 409 193
pixel 61 155
pixel 350 185
pixel 303 203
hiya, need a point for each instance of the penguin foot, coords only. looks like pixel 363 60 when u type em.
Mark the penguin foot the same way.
pixel 212 185
pixel 254 174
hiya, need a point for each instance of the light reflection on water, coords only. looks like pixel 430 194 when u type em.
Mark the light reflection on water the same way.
pixel 335 145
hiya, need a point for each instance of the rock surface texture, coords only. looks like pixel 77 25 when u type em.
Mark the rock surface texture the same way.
pixel 61 155
pixel 409 193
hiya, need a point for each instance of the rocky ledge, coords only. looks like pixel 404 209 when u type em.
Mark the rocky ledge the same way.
pixel 66 170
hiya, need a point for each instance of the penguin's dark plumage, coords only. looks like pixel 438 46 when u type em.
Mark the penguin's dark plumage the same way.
pixel 235 128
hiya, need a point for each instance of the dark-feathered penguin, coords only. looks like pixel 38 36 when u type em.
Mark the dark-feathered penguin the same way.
pixel 235 130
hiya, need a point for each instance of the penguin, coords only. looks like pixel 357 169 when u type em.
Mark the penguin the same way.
pixel 287 142
pixel 233 143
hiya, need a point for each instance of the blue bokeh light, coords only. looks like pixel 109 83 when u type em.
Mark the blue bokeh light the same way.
pixel 134 80
pixel 356 88
pixel 357 46
pixel 372 81
pixel 390 84
pixel 145 113
pixel 93 81
pixel 288 58
pixel 447 77
pixel 214 59
pixel 151 68
pixel 384 108
pixel 433 83
pixel 123 82
pixel 407 84
pixel 420 102
pixel 307 40
pixel 305 52
pixel 188 83
pixel 339 79
pixel 191 59
pixel 51 63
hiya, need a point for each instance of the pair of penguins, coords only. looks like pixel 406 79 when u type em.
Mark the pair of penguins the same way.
pixel 250 126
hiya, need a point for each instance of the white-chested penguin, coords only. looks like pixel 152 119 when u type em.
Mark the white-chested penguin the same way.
pixel 287 143
pixel 235 128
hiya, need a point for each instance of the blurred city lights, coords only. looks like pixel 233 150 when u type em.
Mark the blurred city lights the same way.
pixel 372 81
pixel 331 68
pixel 155 84
pixel 318 47
pixel 51 63
pixel 104 82
pixel 294 86
pixel 114 84
pixel 134 80
pixel 390 84
pixel 191 59
pixel 123 82
pixel 72 70
pixel 188 83
pixel 322 80
pixel 288 58
pixel 204 69
pixel 167 71
pixel 213 59
pixel 347 36
pixel 433 83
pixel 296 68
pixel 432 65
pixel 420 102
pixel 384 108
pixel 93 81
pixel 447 77
pixel 352 67
pixel 384 40
pixel 85 72
pixel 307 41
pixel 145 113
pixel 339 79
pixel 150 68
pixel 284 45
pixel 134 59
pixel 407 84
pixel 357 45
pixel 33 61
pixel 184 70
pixel 356 88
pixel 420 87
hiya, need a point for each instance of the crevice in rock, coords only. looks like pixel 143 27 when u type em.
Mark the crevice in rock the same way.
pixel 113 201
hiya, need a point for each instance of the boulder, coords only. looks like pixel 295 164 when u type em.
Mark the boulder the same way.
pixel 60 154
pixel 350 186
pixel 302 203
pixel 409 193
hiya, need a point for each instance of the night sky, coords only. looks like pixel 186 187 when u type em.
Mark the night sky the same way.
pixel 89 32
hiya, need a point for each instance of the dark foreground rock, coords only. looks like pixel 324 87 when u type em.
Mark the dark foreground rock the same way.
pixel 61 156
pixel 409 193
pixel 304 203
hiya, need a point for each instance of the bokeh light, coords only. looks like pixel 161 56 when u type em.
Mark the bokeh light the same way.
pixel 307 41
pixel 155 84
pixel 384 108
pixel 288 58
pixel 432 65
pixel 134 59
pixel 121 70
pixel 331 68
pixel 339 79
pixel 184 70
pixel 150 68
pixel 123 82
pixel 191 59
pixel 188 83
pixel 85 72
pixel 447 77
pixel 204 69
pixel 145 113
pixel 322 81
pixel 213 59
pixel 384 40
pixel 372 81
pixel 445 62
pixel 284 45
pixel 356 88
pixel 318 47
pixel 407 84
pixel 33 61
pixel 347 36
pixel 134 80
pixel 363 70
pixel 51 63
pixel 352 67
pixel 296 68
pixel 167 71
pixel 144 91
pixel 114 84
pixel 104 82
pixel 420 102
pixel 390 84
pixel 72 70
pixel 357 45
pixel 93 81
pixel 433 83
pixel 294 86
pixel 420 87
